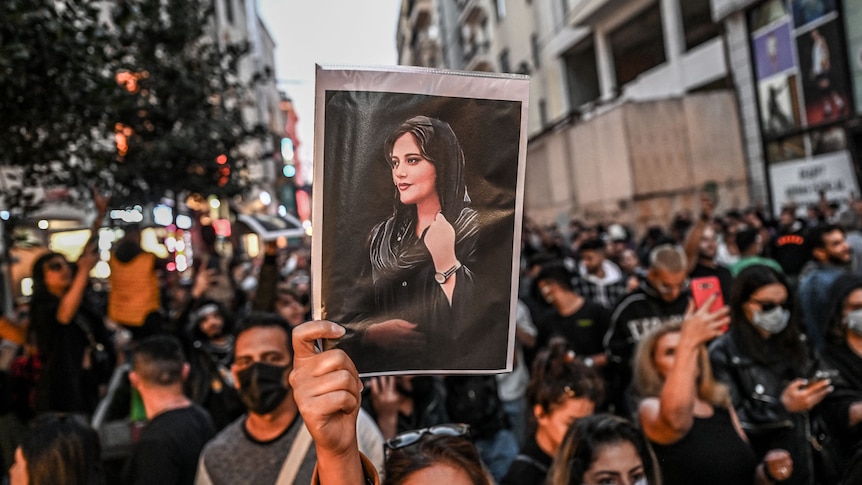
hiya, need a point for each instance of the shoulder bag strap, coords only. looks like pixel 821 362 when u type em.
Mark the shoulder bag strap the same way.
pixel 297 453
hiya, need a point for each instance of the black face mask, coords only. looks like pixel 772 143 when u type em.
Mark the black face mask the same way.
pixel 262 387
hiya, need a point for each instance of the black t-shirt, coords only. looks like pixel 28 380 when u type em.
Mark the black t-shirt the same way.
pixel 585 329
pixel 168 449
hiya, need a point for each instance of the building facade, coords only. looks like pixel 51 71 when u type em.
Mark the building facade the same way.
pixel 632 110
pixel 797 69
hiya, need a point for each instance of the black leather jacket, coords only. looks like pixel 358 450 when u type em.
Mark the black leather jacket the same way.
pixel 755 388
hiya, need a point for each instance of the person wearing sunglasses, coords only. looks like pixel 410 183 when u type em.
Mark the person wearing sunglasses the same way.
pixel 603 449
pixel 766 365
pixel 437 454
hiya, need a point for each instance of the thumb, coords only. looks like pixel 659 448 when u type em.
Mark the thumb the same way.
pixel 305 335
pixel 440 217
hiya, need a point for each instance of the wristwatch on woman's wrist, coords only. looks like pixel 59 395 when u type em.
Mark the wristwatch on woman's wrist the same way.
pixel 444 276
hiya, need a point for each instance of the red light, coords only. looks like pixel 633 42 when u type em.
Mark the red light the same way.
pixel 172 266
pixel 221 159
pixel 222 227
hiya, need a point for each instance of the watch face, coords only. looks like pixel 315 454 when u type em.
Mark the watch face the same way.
pixel 439 278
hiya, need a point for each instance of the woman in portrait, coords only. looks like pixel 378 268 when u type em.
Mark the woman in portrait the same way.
pixel 420 254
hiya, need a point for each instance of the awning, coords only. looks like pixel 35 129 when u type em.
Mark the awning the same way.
pixel 270 227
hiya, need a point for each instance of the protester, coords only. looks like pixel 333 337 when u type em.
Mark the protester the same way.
pixel 662 297
pixel 58 450
pixel 603 449
pixel 74 346
pixel 842 408
pixel 687 416
pixel 581 322
pixel 562 390
pixel 750 242
pixel 134 301
pixel 167 450
pixel 512 386
pixel 766 364
pixel 830 258
pixel 701 249
pixel 599 280
pixel 440 454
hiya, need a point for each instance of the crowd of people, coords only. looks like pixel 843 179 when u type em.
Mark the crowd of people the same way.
pixel 624 373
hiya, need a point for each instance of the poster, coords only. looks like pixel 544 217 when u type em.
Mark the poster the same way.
pixel 418 195
pixel 800 182
pixel 773 51
pixel 822 69
pixel 779 105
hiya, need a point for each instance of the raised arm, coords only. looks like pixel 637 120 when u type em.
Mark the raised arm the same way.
pixel 670 417
pixel 327 390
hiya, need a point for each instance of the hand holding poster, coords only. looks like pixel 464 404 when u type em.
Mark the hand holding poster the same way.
pixel 418 190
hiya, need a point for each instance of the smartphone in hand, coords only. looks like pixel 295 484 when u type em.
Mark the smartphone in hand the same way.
pixel 704 287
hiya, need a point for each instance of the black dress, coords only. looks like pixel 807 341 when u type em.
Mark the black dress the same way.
pixel 64 385
pixel 530 467
pixel 711 453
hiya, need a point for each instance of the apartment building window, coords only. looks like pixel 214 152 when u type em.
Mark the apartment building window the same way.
pixel 638 45
pixel 535 51
pixel 228 9
pixel 697 22
pixel 501 9
pixel 582 75
pixel 504 61
pixel 543 112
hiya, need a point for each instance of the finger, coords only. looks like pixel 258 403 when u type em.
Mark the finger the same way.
pixel 307 333
pixel 440 217
pixel 690 308
pixel 708 303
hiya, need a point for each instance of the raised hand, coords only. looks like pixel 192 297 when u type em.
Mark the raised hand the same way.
pixel 802 394
pixel 701 325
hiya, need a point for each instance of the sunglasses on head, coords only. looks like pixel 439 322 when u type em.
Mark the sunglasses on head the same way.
pixel 411 437
pixel 769 305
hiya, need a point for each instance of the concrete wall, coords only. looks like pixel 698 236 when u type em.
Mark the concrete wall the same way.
pixel 639 163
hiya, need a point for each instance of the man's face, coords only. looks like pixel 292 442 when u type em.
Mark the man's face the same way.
pixel 668 284
pixel 593 260
pixel 261 344
pixel 212 325
pixel 835 249
pixel 708 245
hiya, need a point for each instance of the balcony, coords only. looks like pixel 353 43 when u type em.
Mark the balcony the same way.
pixel 419 13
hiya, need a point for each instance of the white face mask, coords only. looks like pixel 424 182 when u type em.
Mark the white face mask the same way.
pixel 853 320
pixel 773 321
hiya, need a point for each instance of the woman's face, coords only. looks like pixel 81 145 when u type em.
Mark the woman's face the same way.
pixel 18 471
pixel 853 302
pixel 439 473
pixel 290 309
pixel 664 354
pixel 58 274
pixel 552 425
pixel 616 464
pixel 413 175
pixel 765 299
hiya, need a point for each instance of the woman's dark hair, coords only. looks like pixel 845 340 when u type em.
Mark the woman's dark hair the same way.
pixel 558 375
pixel 788 340
pixel 587 436
pixel 62 450
pixel 39 272
pixel 455 451
pixel 439 145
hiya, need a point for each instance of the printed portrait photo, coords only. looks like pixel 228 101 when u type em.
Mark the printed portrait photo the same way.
pixel 419 227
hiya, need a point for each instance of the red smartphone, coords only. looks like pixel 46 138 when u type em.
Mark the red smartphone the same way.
pixel 704 287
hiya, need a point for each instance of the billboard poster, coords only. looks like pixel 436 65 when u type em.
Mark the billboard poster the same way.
pixel 779 105
pixel 807 11
pixel 773 51
pixel 823 73
pixel 418 178
pixel 800 182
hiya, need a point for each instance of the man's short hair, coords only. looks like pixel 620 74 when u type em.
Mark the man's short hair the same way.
pixel 745 238
pixel 556 273
pixel 266 319
pixel 668 257
pixel 815 239
pixel 594 244
pixel 158 360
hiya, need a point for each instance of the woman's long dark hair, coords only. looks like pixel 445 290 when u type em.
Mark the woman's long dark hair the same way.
pixel 39 288
pixel 587 436
pixel 438 144
pixel 455 451
pixel 787 341
pixel 62 450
